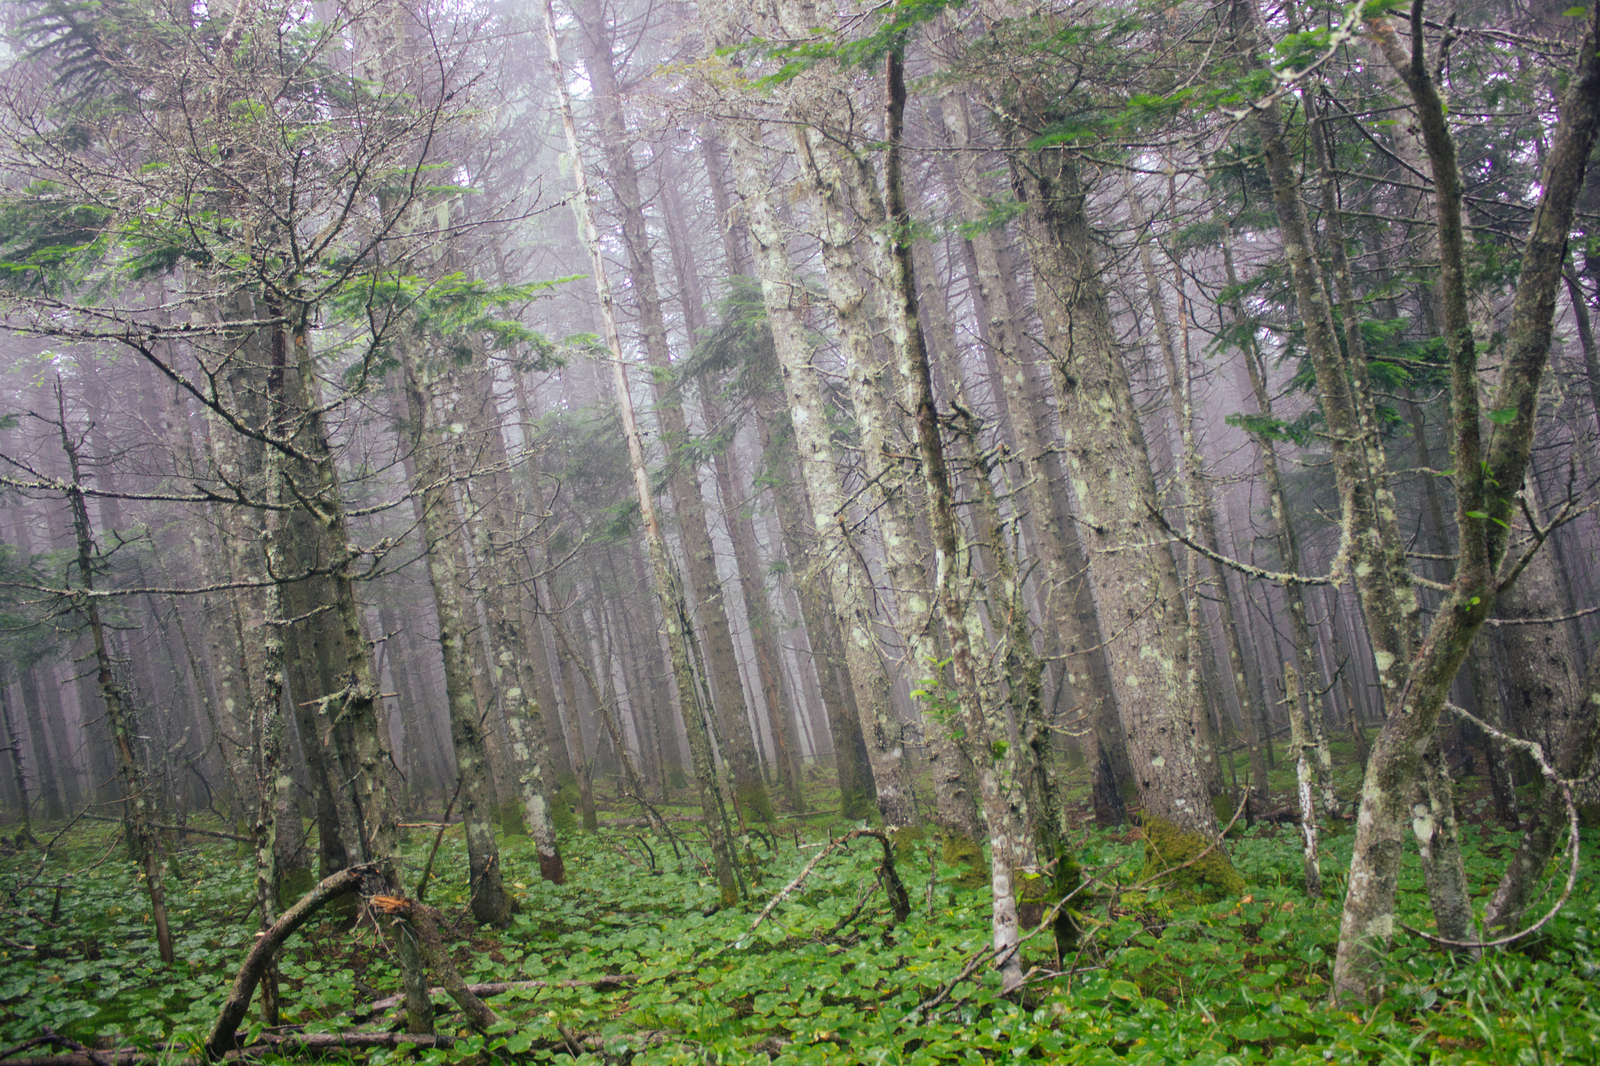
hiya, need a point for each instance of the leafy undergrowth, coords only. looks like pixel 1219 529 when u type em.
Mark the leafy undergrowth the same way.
pixel 828 977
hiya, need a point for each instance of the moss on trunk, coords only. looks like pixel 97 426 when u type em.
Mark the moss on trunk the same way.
pixel 963 851
pixel 1181 856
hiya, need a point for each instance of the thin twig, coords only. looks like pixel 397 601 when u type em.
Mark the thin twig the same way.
pixel 1573 848
pixel 444 823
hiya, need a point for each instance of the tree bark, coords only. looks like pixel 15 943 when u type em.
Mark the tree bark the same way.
pixel 1484 475
pixel 1001 779
pixel 1109 471
pixel 679 631
pixel 136 798
pixel 491 903
pixel 749 788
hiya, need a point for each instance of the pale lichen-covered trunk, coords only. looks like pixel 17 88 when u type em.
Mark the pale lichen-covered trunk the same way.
pixel 689 505
pixel 1201 515
pixel 1301 745
pixel 829 583
pixel 840 178
pixel 136 797
pixel 497 539
pixel 1067 601
pixel 833 188
pixel 674 609
pixel 1001 779
pixel 1108 468
pixel 266 654
pixel 1438 833
pixel 791 500
pixel 527 744
pixel 491 903
pixel 845 569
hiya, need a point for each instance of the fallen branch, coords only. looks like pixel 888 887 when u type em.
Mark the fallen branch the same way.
pixel 224 1035
pixel 568 1041
pixel 646 823
pixel 573 1042
pixel 120 1057
pixel 603 981
pixel 898 898
pixel 177 829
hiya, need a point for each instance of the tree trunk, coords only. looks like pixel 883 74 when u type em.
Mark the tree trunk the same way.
pixel 1001 779
pixel 812 585
pixel 1303 747
pixel 1197 504
pixel 749 789
pixel 491 903
pixel 136 799
pixel 1114 492
pixel 1572 757
pixel 1066 601
pixel 679 631
pixel 866 375
pixel 741 530
pixel 501 555
pixel 847 580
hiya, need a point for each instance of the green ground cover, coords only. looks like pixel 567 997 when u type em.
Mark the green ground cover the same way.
pixel 829 977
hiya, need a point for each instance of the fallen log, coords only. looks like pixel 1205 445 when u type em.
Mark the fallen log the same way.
pixel 496 988
pixel 566 1040
pixel 645 823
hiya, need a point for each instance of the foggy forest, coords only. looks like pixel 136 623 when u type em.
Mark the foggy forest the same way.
pixel 916 531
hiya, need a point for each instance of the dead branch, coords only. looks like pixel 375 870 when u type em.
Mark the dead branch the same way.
pixel 178 829
pixel 224 1035
pixel 608 980
pixel 569 1041
pixel 898 899
pixel 425 921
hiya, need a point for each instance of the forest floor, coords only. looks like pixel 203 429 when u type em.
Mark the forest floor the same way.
pixel 630 961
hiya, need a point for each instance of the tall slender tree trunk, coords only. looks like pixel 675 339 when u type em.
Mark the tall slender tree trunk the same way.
pixel 699 556
pixel 741 530
pixel 491 903
pixel 1283 529
pixel 868 383
pixel 19 775
pixel 497 538
pixel 674 609
pixel 1066 603
pixel 1001 777
pixel 812 589
pixel 847 579
pixel 1197 500
pixel 136 798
